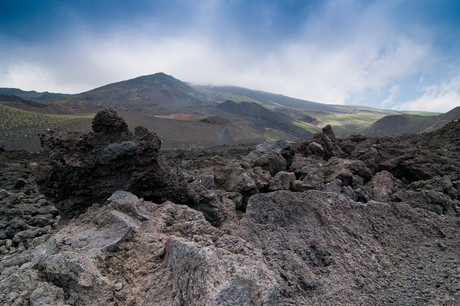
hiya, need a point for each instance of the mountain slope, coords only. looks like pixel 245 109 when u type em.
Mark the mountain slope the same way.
pixel 30 95
pixel 268 98
pixel 19 128
pixel 188 116
pixel 154 92
pixel 266 121
pixel 403 124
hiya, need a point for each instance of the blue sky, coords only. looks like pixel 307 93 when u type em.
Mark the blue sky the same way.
pixel 386 54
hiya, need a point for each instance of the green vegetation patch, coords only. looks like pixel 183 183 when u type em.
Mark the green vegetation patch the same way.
pixel 306 126
pixel 238 99
pixel 22 127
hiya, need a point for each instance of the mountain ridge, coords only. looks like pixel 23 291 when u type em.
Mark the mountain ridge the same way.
pixel 404 124
pixel 185 115
pixel 30 95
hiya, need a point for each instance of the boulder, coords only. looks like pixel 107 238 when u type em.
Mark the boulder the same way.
pixel 233 178
pixel 381 187
pixel 271 146
pixel 282 181
pixel 272 162
pixel 344 169
pixel 322 145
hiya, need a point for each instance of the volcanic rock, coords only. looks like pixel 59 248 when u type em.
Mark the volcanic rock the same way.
pixel 323 145
pixel 107 257
pixel 90 167
pixel 282 181
pixel 374 222
pixel 328 250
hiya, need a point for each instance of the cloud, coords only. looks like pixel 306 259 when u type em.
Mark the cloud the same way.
pixel 440 97
pixel 390 100
pixel 330 52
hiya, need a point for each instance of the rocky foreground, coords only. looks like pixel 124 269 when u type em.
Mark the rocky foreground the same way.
pixel 107 218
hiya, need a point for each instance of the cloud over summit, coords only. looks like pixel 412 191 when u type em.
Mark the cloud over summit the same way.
pixel 353 52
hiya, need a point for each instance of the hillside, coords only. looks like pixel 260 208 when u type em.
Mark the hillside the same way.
pixel 188 116
pixel 222 92
pixel 403 124
pixel 30 95
pixel 19 128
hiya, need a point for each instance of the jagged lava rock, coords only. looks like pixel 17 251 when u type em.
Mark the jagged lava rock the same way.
pixel 89 167
pixel 323 145
pixel 108 256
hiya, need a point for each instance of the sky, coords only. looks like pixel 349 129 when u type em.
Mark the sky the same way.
pixel 402 55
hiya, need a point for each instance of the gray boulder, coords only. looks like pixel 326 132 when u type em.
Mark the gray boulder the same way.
pixel 272 162
pixel 282 181
pixel 271 146
pixel 381 187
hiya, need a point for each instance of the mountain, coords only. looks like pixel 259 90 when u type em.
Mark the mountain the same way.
pixel 186 116
pixel 151 92
pixel 30 95
pixel 403 124
pixel 265 120
pixel 18 101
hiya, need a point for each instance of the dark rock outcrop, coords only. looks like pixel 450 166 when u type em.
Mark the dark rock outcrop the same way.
pixel 25 214
pixel 323 145
pixel 426 165
pixel 89 167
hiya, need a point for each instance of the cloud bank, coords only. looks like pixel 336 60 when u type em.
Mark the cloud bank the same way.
pixel 339 52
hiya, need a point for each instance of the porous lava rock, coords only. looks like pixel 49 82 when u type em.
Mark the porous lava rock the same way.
pixel 420 169
pixel 326 249
pixel 323 145
pixel 110 256
pixel 85 168
pixel 375 223
pixel 25 214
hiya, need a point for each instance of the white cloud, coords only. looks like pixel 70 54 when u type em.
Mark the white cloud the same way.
pixel 437 97
pixel 390 100
pixel 31 75
pixel 336 59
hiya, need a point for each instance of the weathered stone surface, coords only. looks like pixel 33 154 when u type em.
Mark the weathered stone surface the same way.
pixel 212 276
pixel 107 257
pixel 418 162
pixel 235 179
pixel 381 187
pixel 272 162
pixel 25 214
pixel 235 246
pixel 79 275
pixel 129 204
pixel 413 157
pixel 270 146
pixel 282 181
pixel 328 250
pixel 344 169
